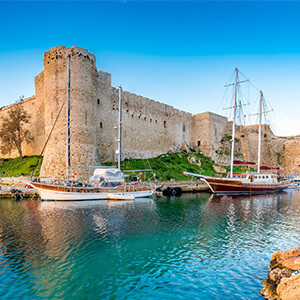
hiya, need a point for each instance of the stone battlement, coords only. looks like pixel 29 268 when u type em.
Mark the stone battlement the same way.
pixel 63 52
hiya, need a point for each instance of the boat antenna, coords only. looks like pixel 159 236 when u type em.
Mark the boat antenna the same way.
pixel 233 122
pixel 259 132
pixel 120 127
pixel 68 123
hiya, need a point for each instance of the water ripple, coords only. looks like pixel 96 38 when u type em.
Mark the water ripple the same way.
pixel 193 247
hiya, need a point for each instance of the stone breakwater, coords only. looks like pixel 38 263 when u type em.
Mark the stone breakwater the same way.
pixel 283 283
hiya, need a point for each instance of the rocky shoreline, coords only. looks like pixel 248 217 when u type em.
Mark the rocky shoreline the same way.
pixel 283 281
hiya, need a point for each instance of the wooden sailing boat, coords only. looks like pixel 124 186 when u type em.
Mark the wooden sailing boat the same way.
pixel 247 183
pixel 106 183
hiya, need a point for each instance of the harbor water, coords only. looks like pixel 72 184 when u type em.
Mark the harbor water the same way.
pixel 193 247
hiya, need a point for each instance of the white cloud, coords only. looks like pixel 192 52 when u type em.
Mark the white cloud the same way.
pixel 288 126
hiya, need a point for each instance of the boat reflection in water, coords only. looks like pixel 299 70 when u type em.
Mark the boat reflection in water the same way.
pixel 198 246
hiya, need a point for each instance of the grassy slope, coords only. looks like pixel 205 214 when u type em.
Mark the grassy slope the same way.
pixel 166 166
pixel 172 166
pixel 16 167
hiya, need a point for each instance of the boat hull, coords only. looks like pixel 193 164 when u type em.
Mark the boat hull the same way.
pixel 231 187
pixel 75 196
pixel 60 193
pixel 120 196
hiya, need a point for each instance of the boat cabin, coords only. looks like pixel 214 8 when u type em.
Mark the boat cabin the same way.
pixel 266 178
pixel 239 175
pixel 109 177
pixel 296 181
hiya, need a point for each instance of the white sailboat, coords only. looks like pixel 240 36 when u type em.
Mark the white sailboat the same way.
pixel 106 183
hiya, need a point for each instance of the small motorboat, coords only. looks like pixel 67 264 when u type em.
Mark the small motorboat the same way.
pixel 120 196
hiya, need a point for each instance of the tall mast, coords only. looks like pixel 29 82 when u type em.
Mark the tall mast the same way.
pixel 120 127
pixel 233 123
pixel 68 123
pixel 259 133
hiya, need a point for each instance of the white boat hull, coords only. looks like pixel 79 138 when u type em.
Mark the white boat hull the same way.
pixel 75 196
pixel 120 196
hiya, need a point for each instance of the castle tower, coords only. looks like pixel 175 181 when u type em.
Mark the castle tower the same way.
pixel 83 109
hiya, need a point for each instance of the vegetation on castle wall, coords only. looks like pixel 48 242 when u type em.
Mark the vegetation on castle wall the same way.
pixel 172 165
pixel 14 167
pixel 166 166
pixel 13 132
pixel 279 158
pixel 225 148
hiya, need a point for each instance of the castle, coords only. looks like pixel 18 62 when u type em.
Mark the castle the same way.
pixel 150 128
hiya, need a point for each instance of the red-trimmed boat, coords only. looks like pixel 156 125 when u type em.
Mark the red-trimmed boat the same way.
pixel 244 184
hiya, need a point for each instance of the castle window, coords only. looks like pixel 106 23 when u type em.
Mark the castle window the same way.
pixel 155 121
pixel 198 143
pixel 265 135
pixel 242 136
pixel 150 120
pixel 100 125
pixel 183 127
pixel 165 124
pixel 98 101
pixel 86 118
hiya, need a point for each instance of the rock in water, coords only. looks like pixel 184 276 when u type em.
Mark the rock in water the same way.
pixel 283 281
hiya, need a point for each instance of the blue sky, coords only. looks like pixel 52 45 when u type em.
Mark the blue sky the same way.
pixel 180 53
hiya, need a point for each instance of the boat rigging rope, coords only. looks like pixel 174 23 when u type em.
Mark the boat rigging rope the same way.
pixel 47 140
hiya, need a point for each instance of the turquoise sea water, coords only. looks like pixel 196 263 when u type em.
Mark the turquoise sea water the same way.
pixel 193 247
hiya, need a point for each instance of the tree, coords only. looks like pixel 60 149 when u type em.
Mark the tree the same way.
pixel 13 132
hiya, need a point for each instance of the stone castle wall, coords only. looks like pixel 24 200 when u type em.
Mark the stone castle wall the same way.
pixel 209 129
pixel 272 147
pixel 291 153
pixel 83 107
pixel 35 127
pixel 212 134
pixel 150 128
